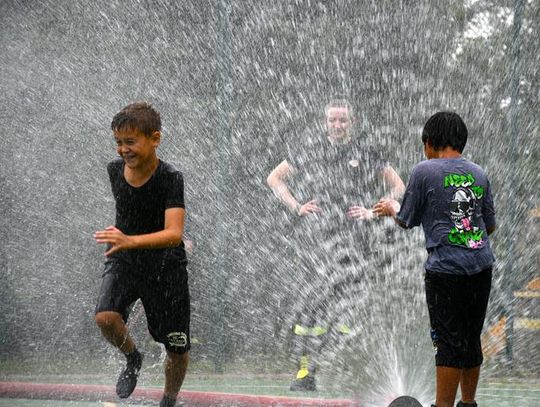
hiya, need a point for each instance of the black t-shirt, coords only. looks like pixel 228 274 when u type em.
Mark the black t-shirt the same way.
pixel 141 210
pixel 338 176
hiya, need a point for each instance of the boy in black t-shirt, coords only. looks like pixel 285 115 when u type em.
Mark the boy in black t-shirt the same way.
pixel 450 197
pixel 145 252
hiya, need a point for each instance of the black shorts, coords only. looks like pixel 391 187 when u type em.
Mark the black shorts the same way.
pixel 162 287
pixel 457 308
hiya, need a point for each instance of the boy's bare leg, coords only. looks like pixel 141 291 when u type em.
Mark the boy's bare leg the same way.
pixel 176 365
pixel 115 330
pixel 468 384
pixel 447 383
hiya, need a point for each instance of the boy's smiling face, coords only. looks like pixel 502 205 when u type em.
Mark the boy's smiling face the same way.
pixel 136 149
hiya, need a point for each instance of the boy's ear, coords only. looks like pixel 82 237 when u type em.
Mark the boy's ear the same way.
pixel 156 137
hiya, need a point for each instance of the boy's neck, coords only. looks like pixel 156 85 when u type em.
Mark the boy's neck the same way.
pixel 447 152
pixel 139 176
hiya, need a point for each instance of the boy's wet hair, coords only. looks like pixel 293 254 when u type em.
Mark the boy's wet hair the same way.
pixel 139 116
pixel 445 129
pixel 339 102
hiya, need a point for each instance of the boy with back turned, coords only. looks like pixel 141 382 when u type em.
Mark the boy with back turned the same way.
pixel 450 197
pixel 146 259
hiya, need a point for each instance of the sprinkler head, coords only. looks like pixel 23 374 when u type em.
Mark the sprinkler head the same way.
pixel 405 401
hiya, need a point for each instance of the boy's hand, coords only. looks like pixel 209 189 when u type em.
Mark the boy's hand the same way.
pixel 386 207
pixel 113 236
pixel 308 208
pixel 360 213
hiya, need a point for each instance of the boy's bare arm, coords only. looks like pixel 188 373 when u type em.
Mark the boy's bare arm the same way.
pixel 389 207
pixel 170 236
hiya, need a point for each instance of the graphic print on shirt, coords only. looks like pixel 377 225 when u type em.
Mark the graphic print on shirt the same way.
pixel 464 200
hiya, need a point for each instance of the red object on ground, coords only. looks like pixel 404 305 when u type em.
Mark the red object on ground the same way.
pixel 92 392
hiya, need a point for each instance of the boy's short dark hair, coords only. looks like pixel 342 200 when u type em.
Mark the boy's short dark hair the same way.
pixel 137 116
pixel 445 129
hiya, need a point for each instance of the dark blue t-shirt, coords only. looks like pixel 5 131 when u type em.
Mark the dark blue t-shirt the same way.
pixel 452 200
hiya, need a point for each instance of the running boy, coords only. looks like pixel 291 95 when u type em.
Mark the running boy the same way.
pixel 145 253
pixel 450 197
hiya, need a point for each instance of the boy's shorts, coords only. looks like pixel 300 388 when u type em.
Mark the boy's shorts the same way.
pixel 457 308
pixel 162 287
